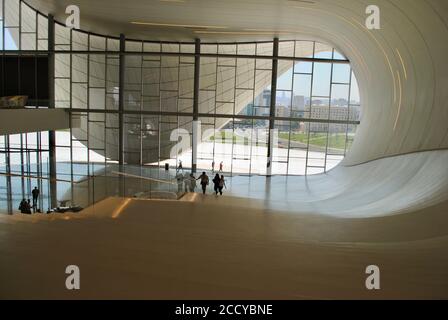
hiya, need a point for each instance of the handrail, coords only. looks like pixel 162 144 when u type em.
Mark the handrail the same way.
pixel 144 178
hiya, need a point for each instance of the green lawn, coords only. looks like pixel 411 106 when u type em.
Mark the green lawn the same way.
pixel 335 140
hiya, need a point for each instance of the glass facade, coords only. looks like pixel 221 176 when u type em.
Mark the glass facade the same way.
pixel 273 107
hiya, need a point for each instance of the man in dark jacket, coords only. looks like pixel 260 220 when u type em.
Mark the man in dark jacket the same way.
pixel 204 181
pixel 35 193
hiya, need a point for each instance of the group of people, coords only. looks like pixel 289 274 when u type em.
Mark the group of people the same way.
pixel 25 205
pixel 219 183
pixel 221 166
pixel 189 183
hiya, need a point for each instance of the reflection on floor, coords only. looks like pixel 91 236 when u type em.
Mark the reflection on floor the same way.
pixel 280 237
pixel 251 159
pixel 384 187
pixel 221 247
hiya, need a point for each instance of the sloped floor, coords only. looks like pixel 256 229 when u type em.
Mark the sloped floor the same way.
pixel 379 188
pixel 222 248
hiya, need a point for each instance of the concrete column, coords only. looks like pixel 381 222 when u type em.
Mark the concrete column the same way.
pixel 8 175
pixel 122 71
pixel 121 137
pixel 196 124
pixel 51 105
pixel 196 139
pixel 272 107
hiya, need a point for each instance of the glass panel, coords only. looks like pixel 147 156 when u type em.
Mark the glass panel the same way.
pixel 323 51
pixel 303 67
pixel 339 56
pixel 298 146
pixel 286 48
pixel 321 79
pixel 284 81
pixel 134 46
pixel 341 73
pixel 80 40
pixel 12 13
pixel 302 95
pixel 226 84
pixel 265 49
pixel 97 43
pixel 241 160
pixel 304 49
pixel 283 104
pixel 281 147
pixel 259 142
pixel 245 73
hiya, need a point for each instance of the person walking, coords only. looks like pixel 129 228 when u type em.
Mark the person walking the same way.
pixel 180 167
pixel 213 166
pixel 192 181
pixel 186 182
pixel 221 166
pixel 216 180
pixel 204 181
pixel 222 184
pixel 180 182
pixel 35 194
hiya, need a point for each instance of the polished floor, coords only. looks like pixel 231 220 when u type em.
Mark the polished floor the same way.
pixel 208 248
pixel 266 238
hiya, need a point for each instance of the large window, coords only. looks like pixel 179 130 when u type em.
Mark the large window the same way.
pixel 314 117
pixel 302 123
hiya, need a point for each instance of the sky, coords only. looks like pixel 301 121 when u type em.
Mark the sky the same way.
pixel 301 83
pixel 9 42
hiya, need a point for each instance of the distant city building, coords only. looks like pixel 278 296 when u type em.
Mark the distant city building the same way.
pixel 283 112
pixel 298 103
pixel 262 104
pixel 248 110
pixel 334 113
pixel 299 108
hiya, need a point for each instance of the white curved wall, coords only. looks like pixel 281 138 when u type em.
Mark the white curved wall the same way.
pixel 401 71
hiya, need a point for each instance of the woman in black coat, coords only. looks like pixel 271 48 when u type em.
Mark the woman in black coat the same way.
pixel 216 181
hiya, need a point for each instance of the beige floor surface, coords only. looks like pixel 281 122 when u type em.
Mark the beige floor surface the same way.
pixel 222 248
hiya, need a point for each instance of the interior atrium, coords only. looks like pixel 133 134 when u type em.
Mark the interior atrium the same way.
pixel 331 136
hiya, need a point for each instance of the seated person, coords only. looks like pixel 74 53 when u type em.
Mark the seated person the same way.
pixel 25 206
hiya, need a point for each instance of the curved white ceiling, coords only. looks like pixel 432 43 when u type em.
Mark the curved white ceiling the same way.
pixel 401 68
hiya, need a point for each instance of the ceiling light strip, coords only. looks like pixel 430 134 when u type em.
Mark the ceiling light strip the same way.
pixel 174 25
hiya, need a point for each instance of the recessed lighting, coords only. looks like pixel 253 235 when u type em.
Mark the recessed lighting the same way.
pixel 175 25
pixel 272 31
pixel 248 33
